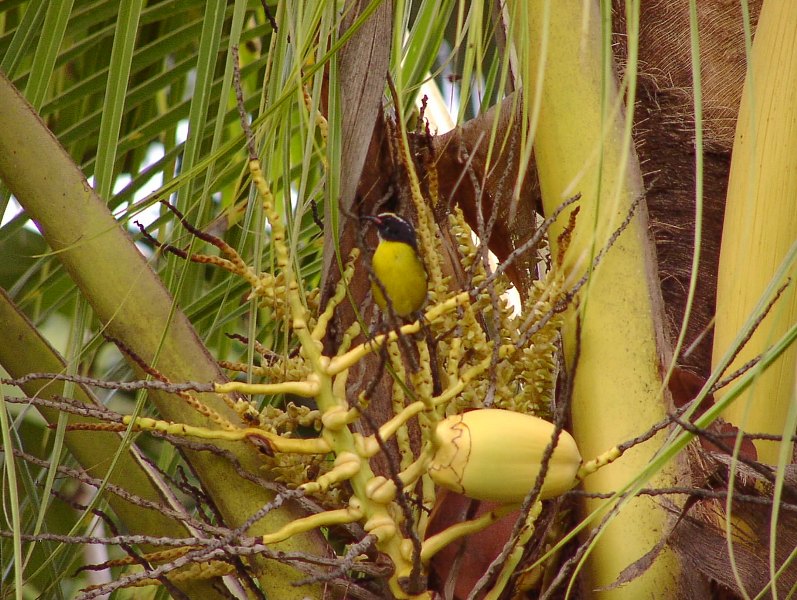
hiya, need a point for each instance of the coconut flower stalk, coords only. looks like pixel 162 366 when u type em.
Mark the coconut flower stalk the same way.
pixel 582 144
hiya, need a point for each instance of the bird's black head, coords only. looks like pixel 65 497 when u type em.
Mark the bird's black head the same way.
pixel 393 228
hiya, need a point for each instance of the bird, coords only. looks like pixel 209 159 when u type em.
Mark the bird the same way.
pixel 397 266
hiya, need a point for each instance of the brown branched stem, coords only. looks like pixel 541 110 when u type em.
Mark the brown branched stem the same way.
pixel 531 243
pixel 743 342
pixel 718 494
pixel 347 562
pixel 68 405
pixel 531 326
pixel 200 407
pixel 123 386
pixel 566 568
pixel 484 232
pixel 415 585
pixel 763 470
pixel 85 478
pixel 239 98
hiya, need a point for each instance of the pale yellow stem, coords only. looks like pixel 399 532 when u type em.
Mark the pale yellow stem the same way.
pixel 581 145
pixel 437 542
pixel 761 224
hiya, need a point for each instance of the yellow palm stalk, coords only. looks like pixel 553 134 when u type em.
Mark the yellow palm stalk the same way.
pixel 582 144
pixel 761 224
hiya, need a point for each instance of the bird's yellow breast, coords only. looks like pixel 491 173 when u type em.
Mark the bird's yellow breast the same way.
pixel 403 276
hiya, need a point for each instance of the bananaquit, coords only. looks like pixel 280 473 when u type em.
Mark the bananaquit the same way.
pixel 397 266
